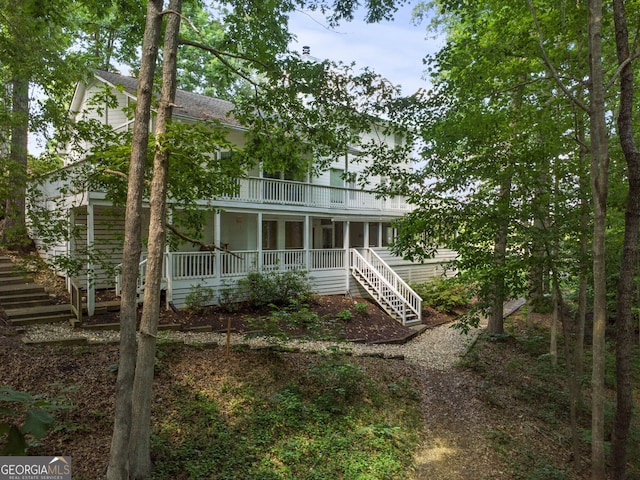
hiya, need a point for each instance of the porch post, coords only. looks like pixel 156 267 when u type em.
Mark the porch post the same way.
pixel 167 266
pixel 259 237
pixel 347 254
pixel 216 241
pixel 71 243
pixel 91 281
pixel 380 229
pixel 305 245
pixel 366 235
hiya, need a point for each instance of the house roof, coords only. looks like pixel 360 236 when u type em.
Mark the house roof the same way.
pixel 189 105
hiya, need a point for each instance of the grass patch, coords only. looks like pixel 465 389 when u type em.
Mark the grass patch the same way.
pixel 320 417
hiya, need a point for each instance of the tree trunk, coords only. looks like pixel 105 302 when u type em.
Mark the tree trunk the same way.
pixel 599 180
pixel 624 301
pixel 14 230
pixel 119 454
pixel 140 457
pixel 581 313
pixel 496 315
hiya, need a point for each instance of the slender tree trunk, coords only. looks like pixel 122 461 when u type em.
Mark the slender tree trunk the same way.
pixel 14 230
pixel 119 454
pixel 140 457
pixel 599 185
pixel 496 316
pixel 581 314
pixel 624 316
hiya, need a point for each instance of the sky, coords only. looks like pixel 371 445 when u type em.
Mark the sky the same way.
pixel 393 49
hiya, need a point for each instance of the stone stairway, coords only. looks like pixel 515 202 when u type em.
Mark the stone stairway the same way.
pixel 25 302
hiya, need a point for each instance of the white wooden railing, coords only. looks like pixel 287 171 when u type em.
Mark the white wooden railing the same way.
pixel 284 192
pixel 201 265
pixel 386 286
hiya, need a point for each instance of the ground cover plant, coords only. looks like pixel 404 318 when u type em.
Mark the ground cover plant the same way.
pixel 260 414
pixel 517 375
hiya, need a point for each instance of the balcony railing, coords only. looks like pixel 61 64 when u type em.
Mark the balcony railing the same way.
pixel 284 192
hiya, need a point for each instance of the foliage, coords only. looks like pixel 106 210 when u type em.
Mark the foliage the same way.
pixel 25 419
pixel 290 287
pixel 296 321
pixel 199 297
pixel 444 294
pixel 361 308
pixel 344 315
pixel 324 418
pixel 531 386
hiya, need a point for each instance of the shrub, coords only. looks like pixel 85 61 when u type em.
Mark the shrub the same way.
pixel 444 294
pixel 344 315
pixel 362 309
pixel 276 288
pixel 199 297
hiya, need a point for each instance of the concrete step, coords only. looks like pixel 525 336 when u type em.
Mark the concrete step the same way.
pixel 17 313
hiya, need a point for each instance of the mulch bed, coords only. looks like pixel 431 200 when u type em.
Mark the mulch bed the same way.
pixel 373 327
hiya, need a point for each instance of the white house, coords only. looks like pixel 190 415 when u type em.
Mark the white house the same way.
pixel 336 232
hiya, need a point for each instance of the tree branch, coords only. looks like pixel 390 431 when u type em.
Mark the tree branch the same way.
pixel 547 61
pixel 204 246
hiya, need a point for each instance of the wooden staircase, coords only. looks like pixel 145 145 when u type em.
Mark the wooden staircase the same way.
pixel 386 287
pixel 26 302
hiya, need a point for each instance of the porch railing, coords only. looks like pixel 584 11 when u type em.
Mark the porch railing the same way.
pixel 199 265
pixel 284 192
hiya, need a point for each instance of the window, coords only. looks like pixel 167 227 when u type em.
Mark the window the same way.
pixel 294 235
pixel 269 235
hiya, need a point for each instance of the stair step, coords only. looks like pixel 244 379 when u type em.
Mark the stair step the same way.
pixel 13 280
pixel 16 313
pixel 7 299
pixel 55 318
pixel 8 290
pixel 26 302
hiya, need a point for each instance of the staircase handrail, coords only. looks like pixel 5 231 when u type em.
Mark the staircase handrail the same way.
pixel 407 293
pixel 360 260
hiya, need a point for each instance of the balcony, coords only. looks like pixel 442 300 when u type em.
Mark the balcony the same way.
pixel 284 192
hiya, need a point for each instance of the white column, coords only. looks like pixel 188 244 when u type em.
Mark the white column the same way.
pixel 347 254
pixel 216 241
pixel 306 243
pixel 91 281
pixel 259 237
pixel 366 235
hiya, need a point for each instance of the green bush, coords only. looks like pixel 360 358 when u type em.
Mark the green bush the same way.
pixel 444 294
pixel 198 297
pixel 276 288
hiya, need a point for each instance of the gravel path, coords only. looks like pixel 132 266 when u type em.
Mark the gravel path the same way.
pixel 437 348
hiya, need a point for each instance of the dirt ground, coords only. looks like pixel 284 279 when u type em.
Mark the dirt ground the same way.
pixel 455 423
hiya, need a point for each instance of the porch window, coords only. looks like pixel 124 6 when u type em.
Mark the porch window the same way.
pixel 294 235
pixel 373 234
pixel 269 235
pixel 336 180
pixel 388 234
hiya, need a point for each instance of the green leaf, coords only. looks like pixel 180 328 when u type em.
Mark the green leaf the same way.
pixel 37 423
pixel 16 443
